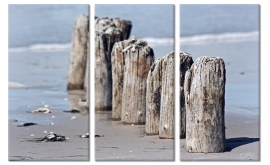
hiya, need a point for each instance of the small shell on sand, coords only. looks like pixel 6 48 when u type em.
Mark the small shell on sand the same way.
pixel 43 110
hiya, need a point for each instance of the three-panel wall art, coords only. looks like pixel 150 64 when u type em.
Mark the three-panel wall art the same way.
pixel 135 70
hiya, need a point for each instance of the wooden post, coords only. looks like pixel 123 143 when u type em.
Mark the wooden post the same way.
pixel 103 79
pixel 116 35
pixel 166 126
pixel 204 90
pixel 78 56
pixel 138 59
pixel 125 25
pixel 118 64
pixel 86 77
pixel 185 63
pixel 153 96
pixel 108 36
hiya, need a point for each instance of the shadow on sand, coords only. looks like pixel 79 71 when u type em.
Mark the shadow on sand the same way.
pixel 236 142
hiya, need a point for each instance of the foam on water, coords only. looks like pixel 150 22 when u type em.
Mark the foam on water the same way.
pixel 42 47
pixel 158 41
pixel 15 85
pixel 224 37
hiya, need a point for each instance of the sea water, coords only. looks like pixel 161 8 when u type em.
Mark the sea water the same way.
pixel 232 33
pixel 38 58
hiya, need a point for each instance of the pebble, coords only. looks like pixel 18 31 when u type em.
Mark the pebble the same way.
pixel 32 135
pixel 45 131
pixel 51 123
pixel 53 116
pixel 73 117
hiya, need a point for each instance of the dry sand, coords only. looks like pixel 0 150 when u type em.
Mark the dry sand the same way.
pixel 242 141
pixel 128 142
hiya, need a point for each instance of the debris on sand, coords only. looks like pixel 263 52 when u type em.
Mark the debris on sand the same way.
pixel 73 111
pixel 85 136
pixel 26 124
pixel 52 137
pixel 73 117
pixel 99 136
pixel 43 110
pixel 82 102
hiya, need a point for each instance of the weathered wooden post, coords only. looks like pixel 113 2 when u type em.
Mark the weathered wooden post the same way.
pixel 138 59
pixel 106 35
pixel 185 63
pixel 204 90
pixel 87 71
pixel 78 56
pixel 103 79
pixel 125 25
pixel 166 125
pixel 153 97
pixel 118 64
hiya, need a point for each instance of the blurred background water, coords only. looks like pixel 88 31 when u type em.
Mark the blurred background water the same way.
pixel 42 25
pixel 38 58
pixel 232 33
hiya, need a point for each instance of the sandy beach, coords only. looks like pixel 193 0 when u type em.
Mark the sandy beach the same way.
pixel 128 142
pixel 22 140
pixel 242 142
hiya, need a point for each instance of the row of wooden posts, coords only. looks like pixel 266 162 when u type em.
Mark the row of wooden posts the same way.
pixel 140 90
pixel 128 80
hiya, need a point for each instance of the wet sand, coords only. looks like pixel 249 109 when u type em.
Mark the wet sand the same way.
pixel 128 142
pixel 23 146
pixel 37 79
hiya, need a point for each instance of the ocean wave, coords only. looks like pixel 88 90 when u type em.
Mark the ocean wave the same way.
pixel 15 85
pixel 158 41
pixel 42 47
pixel 224 37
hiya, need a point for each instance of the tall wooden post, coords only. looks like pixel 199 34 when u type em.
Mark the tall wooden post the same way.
pixel 125 25
pixel 153 97
pixel 87 71
pixel 138 59
pixel 185 63
pixel 103 79
pixel 78 56
pixel 204 90
pixel 105 37
pixel 166 126
pixel 118 64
